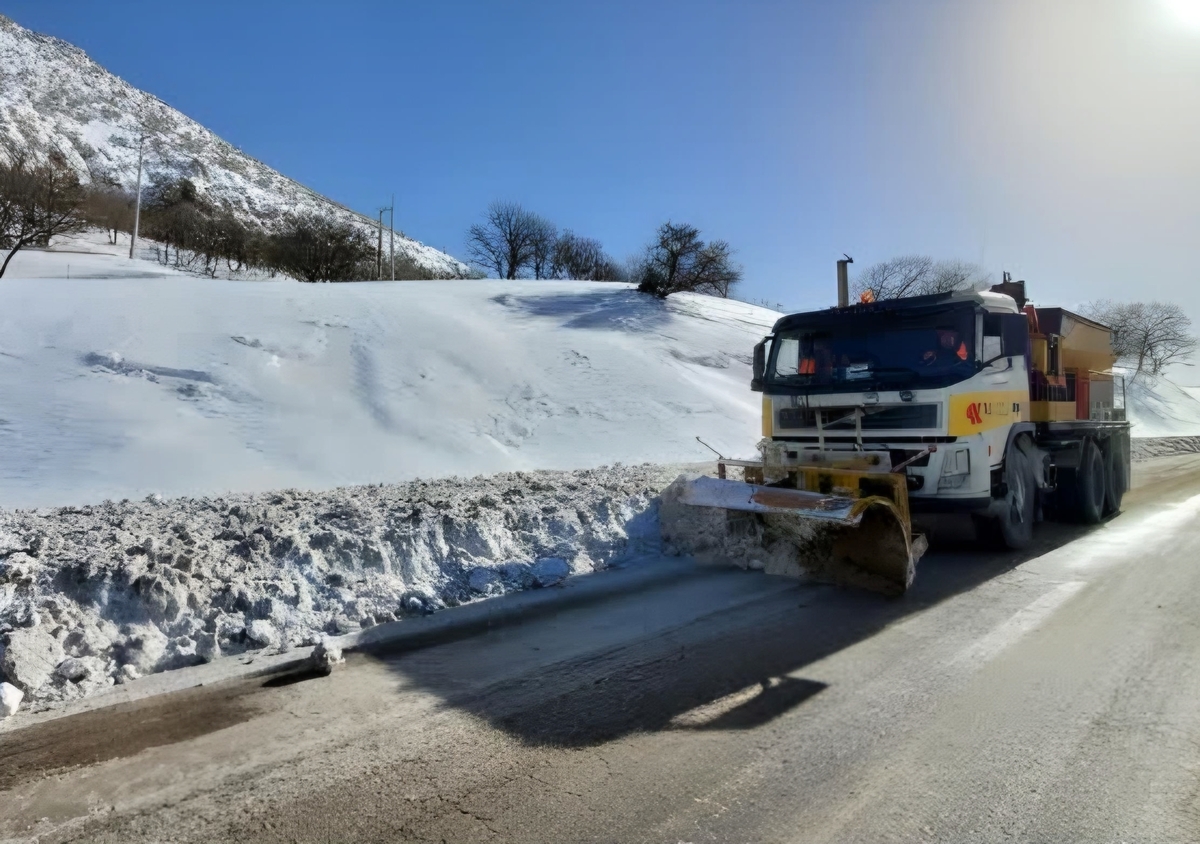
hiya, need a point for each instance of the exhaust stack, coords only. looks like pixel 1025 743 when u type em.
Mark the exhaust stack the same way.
pixel 843 278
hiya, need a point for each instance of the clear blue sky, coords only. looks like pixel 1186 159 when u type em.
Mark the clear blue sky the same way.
pixel 1057 140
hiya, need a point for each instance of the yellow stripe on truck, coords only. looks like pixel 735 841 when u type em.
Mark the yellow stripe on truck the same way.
pixel 768 428
pixel 974 413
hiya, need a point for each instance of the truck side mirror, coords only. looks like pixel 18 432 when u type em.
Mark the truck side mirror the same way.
pixel 760 365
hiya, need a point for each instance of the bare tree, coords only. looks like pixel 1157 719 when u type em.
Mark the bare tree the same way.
pixel 583 258
pixel 917 275
pixel 678 260
pixel 508 240
pixel 545 236
pixel 39 199
pixel 110 208
pixel 714 272
pixel 175 213
pixel 315 247
pixel 1147 336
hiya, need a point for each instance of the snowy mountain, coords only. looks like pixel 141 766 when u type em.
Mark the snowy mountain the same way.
pixel 53 96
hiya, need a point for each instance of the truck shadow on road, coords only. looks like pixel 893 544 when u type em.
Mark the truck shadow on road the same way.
pixel 730 669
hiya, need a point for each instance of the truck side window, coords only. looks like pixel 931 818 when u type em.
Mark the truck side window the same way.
pixel 1014 334
pixel 992 346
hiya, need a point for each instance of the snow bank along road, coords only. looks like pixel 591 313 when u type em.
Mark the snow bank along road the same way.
pixel 95 596
pixel 1043 697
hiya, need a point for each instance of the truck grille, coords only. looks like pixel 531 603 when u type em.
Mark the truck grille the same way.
pixel 884 419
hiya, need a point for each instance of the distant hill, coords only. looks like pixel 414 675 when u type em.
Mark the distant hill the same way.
pixel 53 96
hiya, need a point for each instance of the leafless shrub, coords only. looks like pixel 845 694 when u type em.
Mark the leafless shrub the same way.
pixel 583 258
pixel 678 260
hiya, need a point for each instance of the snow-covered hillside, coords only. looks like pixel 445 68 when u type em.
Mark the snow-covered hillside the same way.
pixel 1162 408
pixel 53 96
pixel 118 388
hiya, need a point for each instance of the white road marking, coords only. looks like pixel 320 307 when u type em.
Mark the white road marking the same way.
pixel 1022 622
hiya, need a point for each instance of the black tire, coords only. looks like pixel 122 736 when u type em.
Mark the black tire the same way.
pixel 1014 524
pixel 1091 483
pixel 1116 477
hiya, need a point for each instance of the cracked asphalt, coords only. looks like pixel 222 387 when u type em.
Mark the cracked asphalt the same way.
pixel 1046 696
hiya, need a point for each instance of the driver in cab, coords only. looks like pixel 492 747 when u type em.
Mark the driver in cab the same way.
pixel 949 348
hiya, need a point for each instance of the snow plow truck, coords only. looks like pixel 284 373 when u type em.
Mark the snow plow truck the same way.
pixel 971 402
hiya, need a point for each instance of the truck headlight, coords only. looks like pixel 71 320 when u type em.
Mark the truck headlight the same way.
pixel 956 468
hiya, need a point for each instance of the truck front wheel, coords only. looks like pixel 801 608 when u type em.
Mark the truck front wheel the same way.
pixel 1018 507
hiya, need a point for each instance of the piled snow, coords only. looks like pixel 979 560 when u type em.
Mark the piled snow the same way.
pixel 1158 407
pixel 97 595
pixel 52 96
pixel 1144 449
pixel 121 388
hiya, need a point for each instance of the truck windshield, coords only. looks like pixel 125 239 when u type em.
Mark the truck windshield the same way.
pixel 875 351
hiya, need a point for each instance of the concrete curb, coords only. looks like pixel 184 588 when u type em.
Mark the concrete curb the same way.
pixel 393 637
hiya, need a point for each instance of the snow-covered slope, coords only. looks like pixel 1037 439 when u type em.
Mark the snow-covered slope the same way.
pixel 53 96
pixel 121 387
pixel 1161 408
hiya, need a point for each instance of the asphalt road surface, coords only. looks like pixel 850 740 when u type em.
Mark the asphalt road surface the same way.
pixel 1046 696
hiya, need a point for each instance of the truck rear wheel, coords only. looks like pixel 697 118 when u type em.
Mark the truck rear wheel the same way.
pixel 1115 476
pixel 1091 485
pixel 1014 524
